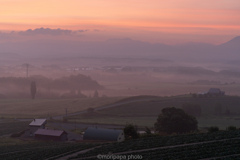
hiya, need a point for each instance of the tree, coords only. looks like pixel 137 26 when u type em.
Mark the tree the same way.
pixel 33 89
pixel 175 120
pixel 130 131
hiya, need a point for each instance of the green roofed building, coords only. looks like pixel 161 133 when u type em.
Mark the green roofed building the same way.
pixel 94 133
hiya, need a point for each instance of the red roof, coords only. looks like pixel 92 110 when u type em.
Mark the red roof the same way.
pixel 48 132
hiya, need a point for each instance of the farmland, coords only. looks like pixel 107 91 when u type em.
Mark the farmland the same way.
pixel 141 110
pixel 40 150
pixel 145 112
pixel 8 127
pixel 14 148
pixel 27 108
pixel 193 146
pixel 221 144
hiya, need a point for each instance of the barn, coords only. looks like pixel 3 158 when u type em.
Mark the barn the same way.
pixel 53 135
pixel 94 133
pixel 36 124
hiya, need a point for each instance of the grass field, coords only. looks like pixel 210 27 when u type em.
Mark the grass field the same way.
pixel 9 126
pixel 141 110
pixel 27 108
pixel 203 122
pixel 144 113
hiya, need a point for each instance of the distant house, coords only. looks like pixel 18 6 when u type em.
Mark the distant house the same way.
pixel 103 134
pixel 216 92
pixel 36 124
pixel 53 135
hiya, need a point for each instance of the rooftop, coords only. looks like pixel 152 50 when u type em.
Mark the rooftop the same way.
pixel 38 122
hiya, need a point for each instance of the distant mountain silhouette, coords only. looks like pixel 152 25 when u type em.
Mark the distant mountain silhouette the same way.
pixel 126 48
pixel 230 50
pixel 235 43
pixel 232 46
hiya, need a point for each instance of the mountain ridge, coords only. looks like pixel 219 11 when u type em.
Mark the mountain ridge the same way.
pixel 125 48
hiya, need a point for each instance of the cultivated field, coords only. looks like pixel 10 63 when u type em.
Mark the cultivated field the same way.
pixel 141 110
pixel 221 145
pixel 28 108
pixel 144 112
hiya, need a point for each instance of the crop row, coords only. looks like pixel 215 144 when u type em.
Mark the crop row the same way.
pixel 43 152
pixel 197 151
pixel 227 149
pixel 161 141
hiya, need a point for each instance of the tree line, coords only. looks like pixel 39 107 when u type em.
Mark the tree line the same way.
pixel 71 82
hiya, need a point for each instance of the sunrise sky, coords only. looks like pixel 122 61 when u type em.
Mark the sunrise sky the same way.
pixel 170 22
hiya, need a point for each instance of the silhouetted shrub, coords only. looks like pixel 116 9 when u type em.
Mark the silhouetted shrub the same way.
pixel 213 129
pixel 130 131
pixel 231 128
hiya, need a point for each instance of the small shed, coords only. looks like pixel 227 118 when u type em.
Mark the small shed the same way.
pixel 54 135
pixel 36 124
pixel 93 133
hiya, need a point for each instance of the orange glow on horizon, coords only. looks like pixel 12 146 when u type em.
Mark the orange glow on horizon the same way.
pixel 173 16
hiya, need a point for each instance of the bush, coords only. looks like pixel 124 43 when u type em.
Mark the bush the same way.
pixel 213 129
pixel 130 131
pixel 231 128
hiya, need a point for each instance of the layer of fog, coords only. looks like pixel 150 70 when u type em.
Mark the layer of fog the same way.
pixel 126 67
